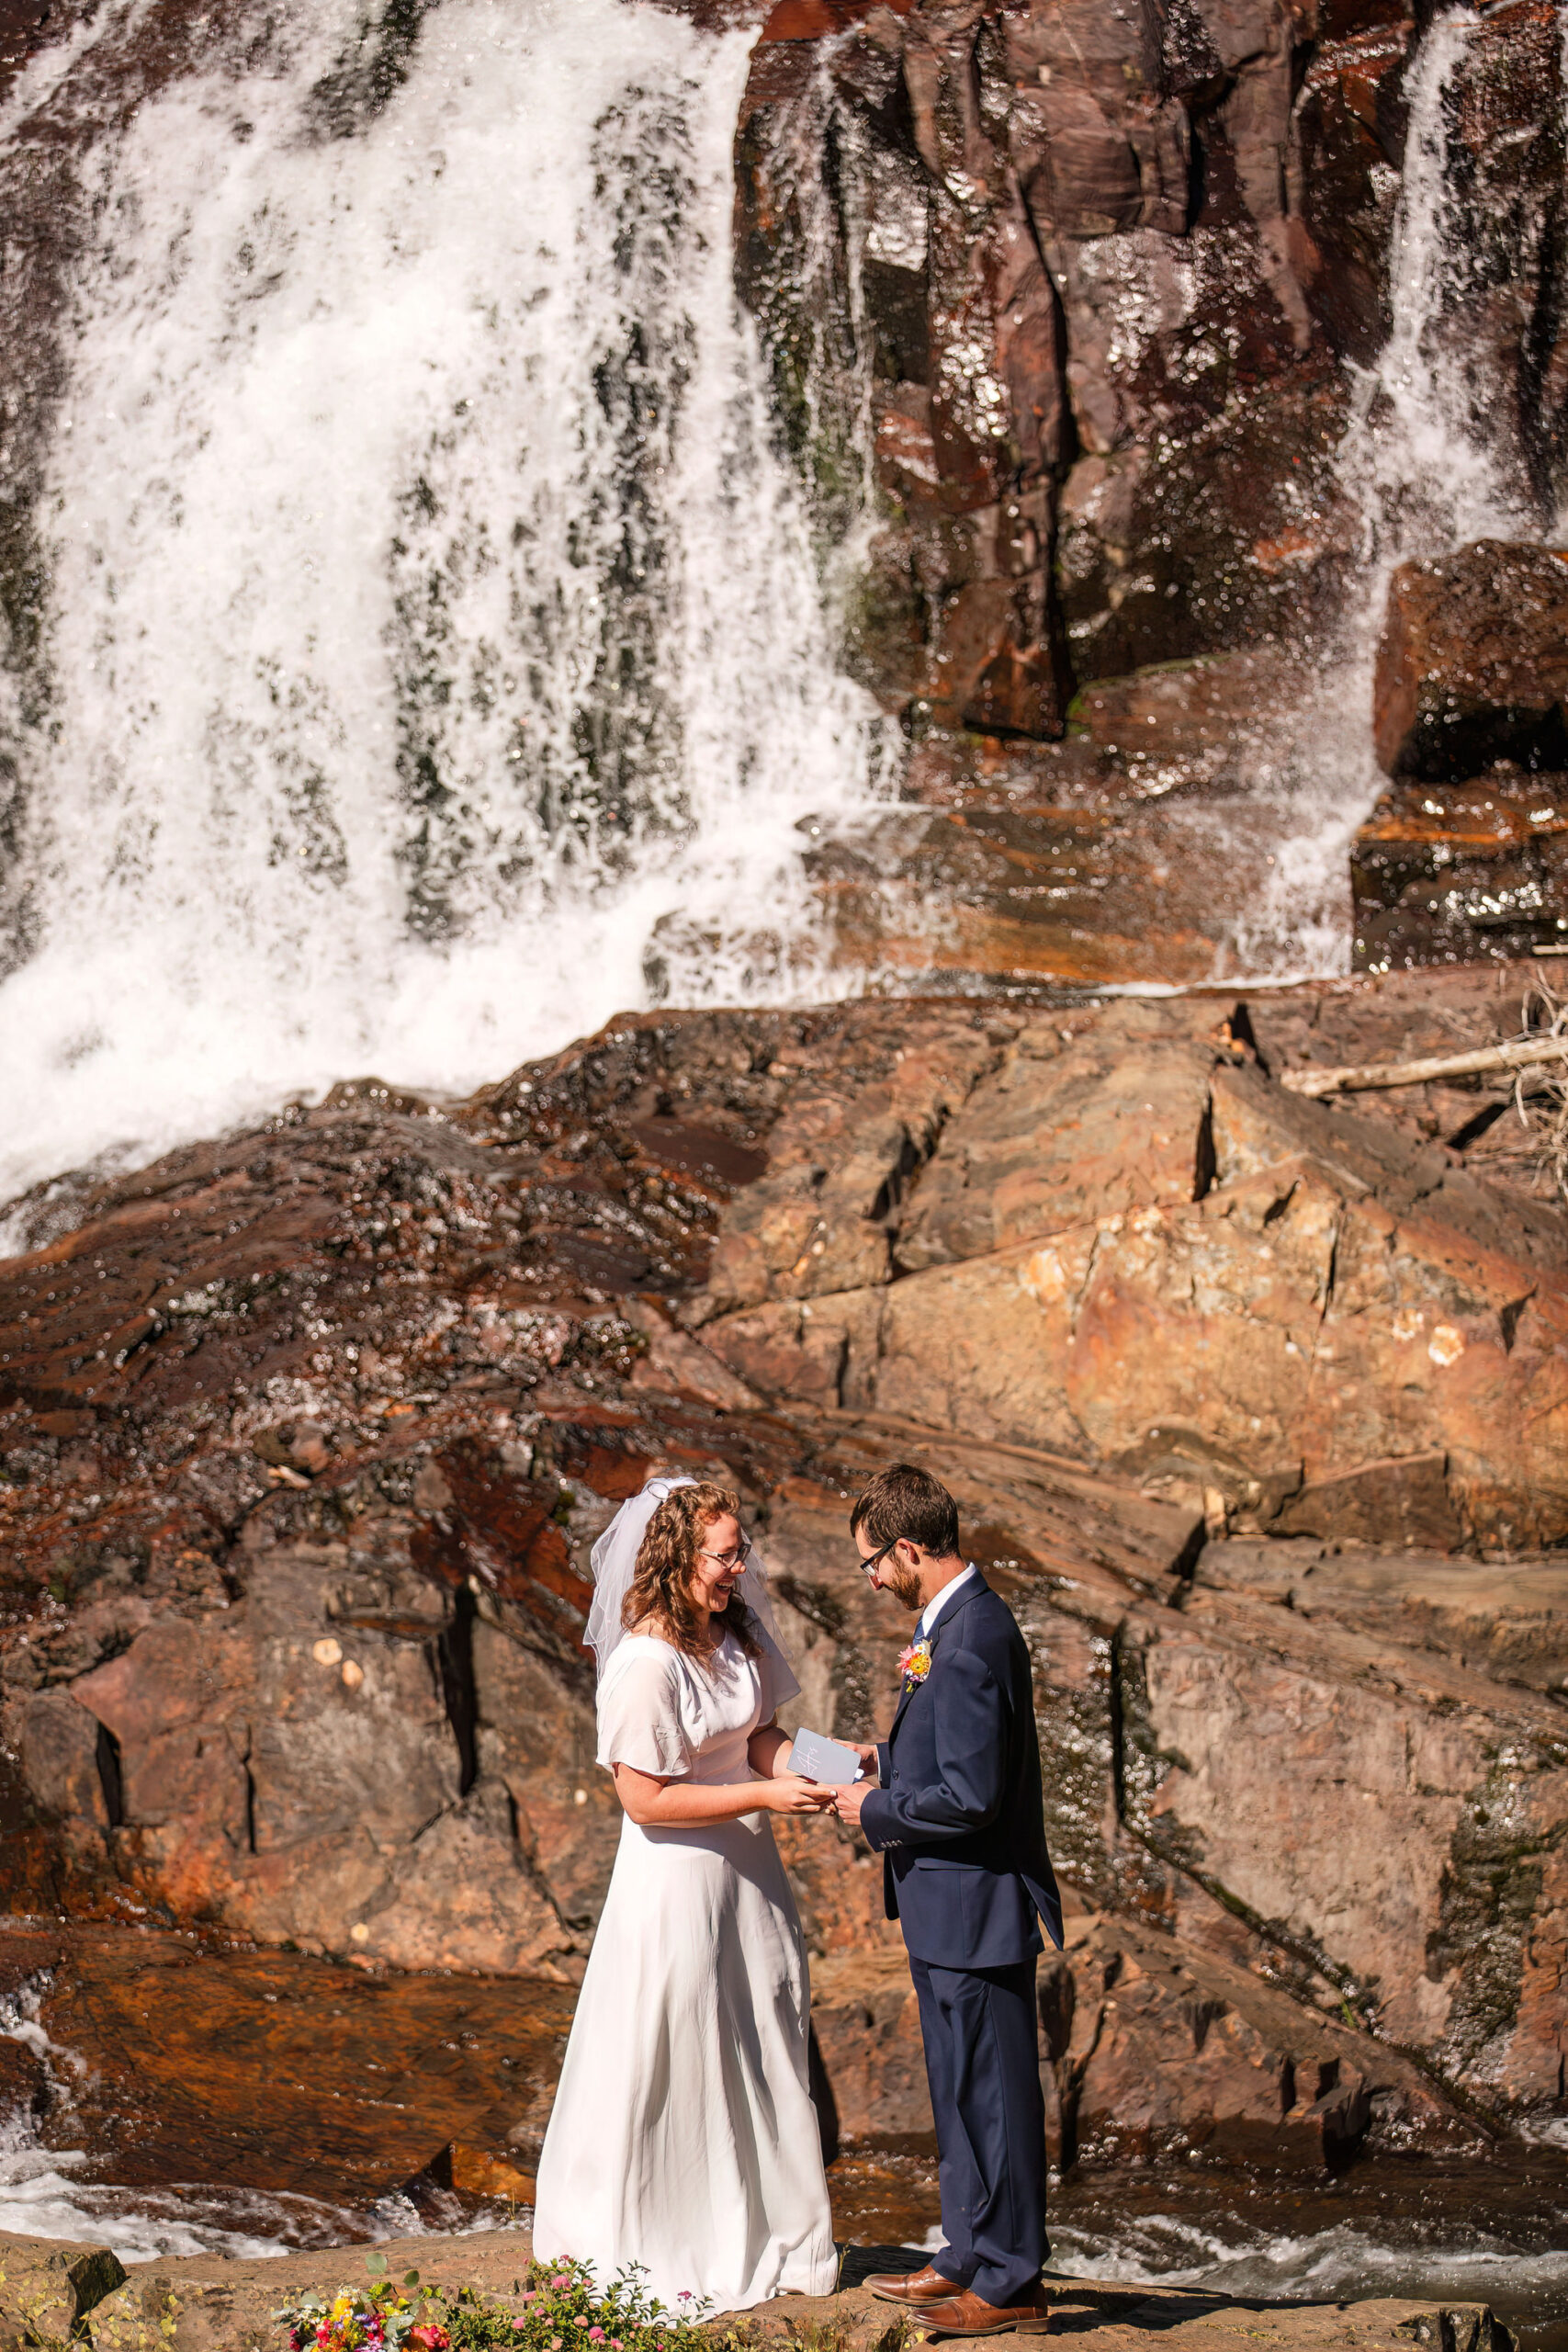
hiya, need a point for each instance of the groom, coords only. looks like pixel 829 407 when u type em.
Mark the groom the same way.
pixel 957 1821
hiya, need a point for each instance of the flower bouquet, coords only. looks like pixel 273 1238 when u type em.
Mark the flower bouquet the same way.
pixel 559 2310
pixel 377 2317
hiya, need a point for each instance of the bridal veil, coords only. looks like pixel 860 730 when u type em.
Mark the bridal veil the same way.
pixel 614 1565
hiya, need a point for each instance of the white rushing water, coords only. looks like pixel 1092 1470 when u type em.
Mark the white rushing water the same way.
pixel 1427 470
pixel 48 2192
pixel 42 2195
pixel 1479 2262
pixel 1338 2264
pixel 436 656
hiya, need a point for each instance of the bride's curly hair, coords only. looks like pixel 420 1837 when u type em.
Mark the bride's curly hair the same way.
pixel 661 1588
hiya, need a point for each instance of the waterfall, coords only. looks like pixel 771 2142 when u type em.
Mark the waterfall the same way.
pixel 433 659
pixel 1427 463
pixel 1429 457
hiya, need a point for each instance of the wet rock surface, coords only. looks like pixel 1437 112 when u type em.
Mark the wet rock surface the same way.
pixel 1111 278
pixel 1254 1407
pixel 1112 283
pixel 271 2074
pixel 211 2304
pixel 1463 856
pixel 1453 873
pixel 1473 663
pixel 1083 268
pixel 214 2303
pixel 1125 852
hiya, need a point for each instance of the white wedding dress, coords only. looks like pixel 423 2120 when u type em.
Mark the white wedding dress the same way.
pixel 682 2135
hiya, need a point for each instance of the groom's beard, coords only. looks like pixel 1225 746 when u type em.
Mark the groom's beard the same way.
pixel 904 1584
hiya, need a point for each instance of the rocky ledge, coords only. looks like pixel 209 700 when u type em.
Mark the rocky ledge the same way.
pixel 1256 1407
pixel 210 2303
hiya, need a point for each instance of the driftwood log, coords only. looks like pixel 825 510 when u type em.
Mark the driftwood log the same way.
pixel 1524 1053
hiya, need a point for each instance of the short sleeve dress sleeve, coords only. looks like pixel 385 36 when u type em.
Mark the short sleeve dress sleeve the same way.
pixel 640 1714
pixel 779 1685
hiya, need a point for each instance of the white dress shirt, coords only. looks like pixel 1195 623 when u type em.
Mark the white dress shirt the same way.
pixel 939 1601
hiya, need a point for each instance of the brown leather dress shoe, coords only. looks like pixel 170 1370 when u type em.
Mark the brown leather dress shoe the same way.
pixel 912 2288
pixel 970 2314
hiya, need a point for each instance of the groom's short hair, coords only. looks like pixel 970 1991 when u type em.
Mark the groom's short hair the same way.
pixel 905 1502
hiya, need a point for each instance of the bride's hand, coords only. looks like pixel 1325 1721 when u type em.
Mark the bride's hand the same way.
pixel 790 1794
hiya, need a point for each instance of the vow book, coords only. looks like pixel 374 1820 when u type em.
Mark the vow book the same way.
pixel 828 1761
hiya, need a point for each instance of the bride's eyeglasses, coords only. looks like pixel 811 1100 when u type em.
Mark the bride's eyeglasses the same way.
pixel 727 1561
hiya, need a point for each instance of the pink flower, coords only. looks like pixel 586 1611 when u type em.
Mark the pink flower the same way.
pixel 561 2279
pixel 596 2336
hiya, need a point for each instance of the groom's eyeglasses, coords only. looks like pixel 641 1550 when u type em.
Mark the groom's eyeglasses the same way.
pixel 876 1559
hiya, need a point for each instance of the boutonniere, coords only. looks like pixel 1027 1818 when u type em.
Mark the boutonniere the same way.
pixel 915 1662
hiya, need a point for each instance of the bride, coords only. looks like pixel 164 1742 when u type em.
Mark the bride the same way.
pixel 682 2135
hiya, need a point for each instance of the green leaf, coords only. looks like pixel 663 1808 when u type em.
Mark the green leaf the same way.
pixel 411 2278
pixel 376 2264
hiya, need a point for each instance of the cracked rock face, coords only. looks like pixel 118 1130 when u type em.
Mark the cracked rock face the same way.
pixel 1110 273
pixel 1132 1247
pixel 1070 313
pixel 1464 855
pixel 1070 246
pixel 1473 663
pixel 1256 1411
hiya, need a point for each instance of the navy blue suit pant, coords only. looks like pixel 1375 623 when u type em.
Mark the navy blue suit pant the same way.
pixel 983 2066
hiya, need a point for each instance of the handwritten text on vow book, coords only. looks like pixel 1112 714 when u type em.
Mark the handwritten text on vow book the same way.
pixel 816 1758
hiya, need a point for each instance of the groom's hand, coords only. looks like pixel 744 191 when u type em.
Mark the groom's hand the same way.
pixel 848 1801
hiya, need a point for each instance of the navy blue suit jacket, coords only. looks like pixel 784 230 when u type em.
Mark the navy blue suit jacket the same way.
pixel 958 1819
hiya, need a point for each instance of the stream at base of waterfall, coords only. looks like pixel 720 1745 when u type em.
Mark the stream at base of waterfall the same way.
pixel 1419 2231
pixel 111 2145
